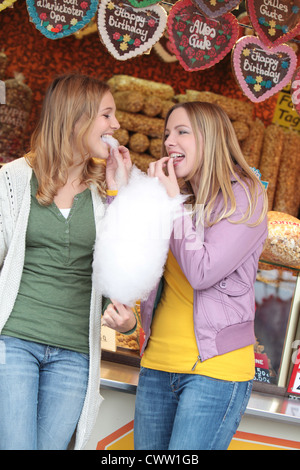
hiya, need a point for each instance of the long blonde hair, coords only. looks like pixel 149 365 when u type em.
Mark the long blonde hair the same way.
pixel 222 158
pixel 68 98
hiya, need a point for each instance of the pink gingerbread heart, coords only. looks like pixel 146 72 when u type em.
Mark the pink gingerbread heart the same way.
pixel 261 72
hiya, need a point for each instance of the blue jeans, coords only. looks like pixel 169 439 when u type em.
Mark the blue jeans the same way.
pixel 42 390
pixel 186 411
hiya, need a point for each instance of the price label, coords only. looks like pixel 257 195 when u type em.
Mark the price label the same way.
pixel 285 114
pixel 262 373
pixel 294 385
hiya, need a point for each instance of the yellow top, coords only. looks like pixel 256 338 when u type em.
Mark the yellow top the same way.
pixel 172 346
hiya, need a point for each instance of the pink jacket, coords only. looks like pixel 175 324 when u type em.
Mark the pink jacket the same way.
pixel 222 272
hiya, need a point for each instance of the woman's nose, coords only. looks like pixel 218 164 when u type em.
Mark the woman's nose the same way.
pixel 115 124
pixel 169 141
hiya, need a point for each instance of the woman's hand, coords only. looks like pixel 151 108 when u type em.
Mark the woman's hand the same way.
pixel 119 317
pixel 118 166
pixel 170 180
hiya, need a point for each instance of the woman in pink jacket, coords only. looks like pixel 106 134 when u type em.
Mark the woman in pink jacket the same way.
pixel 198 362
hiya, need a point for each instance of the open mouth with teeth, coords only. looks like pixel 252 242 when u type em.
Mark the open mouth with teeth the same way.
pixel 177 158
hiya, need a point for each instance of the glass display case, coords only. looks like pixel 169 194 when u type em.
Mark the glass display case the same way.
pixel 277 297
pixel 277 300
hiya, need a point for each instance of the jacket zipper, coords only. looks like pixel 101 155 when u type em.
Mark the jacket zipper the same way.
pixel 198 359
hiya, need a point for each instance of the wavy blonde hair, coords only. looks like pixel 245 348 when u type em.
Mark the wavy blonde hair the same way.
pixel 68 98
pixel 222 157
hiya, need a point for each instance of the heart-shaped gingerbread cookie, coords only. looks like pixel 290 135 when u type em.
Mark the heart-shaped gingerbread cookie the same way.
pixel 261 71
pixel 295 90
pixel 128 32
pixel 200 42
pixel 275 21
pixel 59 19
pixel 215 8
pixel 6 3
pixel 142 3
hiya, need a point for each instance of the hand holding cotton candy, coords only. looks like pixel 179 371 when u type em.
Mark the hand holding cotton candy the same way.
pixel 133 239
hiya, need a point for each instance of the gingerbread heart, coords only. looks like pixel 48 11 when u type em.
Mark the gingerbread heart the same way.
pixel 128 32
pixel 215 8
pixel 275 21
pixel 295 90
pixel 142 3
pixel 61 18
pixel 164 50
pixel 6 3
pixel 261 72
pixel 200 42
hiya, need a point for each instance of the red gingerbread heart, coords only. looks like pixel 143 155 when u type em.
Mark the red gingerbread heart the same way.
pixel 261 71
pixel 275 21
pixel 215 8
pixel 200 42
pixel 128 32
pixel 295 90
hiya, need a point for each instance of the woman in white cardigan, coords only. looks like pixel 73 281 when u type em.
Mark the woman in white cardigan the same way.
pixel 50 314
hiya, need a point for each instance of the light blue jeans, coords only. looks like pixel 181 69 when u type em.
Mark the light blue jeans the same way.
pixel 42 390
pixel 186 411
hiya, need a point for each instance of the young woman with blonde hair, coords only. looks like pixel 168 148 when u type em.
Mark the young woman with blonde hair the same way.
pixel 50 203
pixel 198 362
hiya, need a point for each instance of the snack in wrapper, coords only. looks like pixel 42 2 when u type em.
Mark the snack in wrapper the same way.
pixel 270 159
pixel 14 115
pixel 139 142
pixel 287 188
pixel 3 63
pixel 122 136
pixel 146 87
pixel 283 243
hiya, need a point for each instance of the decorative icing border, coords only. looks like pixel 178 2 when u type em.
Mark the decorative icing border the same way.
pixel 236 54
pixel 73 29
pixel 258 29
pixel 142 48
pixel 228 6
pixel 228 16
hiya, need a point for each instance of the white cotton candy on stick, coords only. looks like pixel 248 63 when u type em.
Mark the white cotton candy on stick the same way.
pixel 111 141
pixel 133 239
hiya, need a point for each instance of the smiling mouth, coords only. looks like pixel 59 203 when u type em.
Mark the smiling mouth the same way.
pixel 177 157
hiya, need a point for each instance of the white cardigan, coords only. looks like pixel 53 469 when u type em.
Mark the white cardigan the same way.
pixel 15 199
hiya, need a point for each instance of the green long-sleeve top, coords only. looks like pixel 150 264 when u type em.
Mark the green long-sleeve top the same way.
pixel 53 303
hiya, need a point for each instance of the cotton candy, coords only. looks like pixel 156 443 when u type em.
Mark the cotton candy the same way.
pixel 133 239
pixel 111 141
